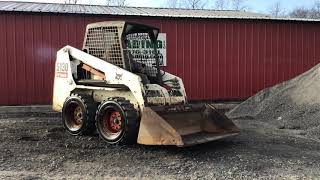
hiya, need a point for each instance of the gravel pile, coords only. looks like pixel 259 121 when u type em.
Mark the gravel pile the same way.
pixel 294 104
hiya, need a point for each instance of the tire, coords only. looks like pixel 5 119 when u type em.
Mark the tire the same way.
pixel 117 121
pixel 78 114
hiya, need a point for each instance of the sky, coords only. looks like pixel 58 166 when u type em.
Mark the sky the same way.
pixel 264 5
pixel 261 6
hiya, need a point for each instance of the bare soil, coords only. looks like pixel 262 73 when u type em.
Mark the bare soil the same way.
pixel 37 147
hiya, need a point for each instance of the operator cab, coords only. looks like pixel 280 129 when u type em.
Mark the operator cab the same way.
pixel 117 42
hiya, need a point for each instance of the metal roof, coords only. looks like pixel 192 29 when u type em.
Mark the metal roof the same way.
pixel 14 6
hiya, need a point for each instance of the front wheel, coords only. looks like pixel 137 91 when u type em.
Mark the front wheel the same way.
pixel 117 121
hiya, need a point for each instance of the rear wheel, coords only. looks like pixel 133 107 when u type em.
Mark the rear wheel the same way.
pixel 78 114
pixel 117 121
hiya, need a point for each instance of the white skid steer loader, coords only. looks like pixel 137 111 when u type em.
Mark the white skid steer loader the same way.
pixel 126 99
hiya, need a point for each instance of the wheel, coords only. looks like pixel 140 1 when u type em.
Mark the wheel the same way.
pixel 78 114
pixel 117 121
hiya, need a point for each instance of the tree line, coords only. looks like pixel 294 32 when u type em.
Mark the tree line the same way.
pixel 275 10
pixel 206 4
pixel 106 2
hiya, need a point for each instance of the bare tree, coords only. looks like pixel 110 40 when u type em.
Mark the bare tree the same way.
pixel 315 11
pixel 276 10
pixel 120 2
pixel 220 4
pixel 116 2
pixel 70 1
pixel 108 2
pixel 238 5
pixel 195 4
pixel 300 13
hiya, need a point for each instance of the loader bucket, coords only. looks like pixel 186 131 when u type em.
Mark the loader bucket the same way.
pixel 184 127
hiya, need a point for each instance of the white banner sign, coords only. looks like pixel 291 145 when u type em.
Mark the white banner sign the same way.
pixel 141 48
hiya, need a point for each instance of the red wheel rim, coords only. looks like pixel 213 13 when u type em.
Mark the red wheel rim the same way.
pixel 113 121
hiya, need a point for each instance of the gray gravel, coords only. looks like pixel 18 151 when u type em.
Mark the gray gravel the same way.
pixel 279 140
pixel 39 148
pixel 294 104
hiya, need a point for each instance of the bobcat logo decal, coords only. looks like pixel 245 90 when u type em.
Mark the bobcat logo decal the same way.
pixel 119 76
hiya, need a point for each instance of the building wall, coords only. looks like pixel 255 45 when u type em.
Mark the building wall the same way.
pixel 218 59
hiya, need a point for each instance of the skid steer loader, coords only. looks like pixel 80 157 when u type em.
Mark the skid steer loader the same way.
pixel 126 99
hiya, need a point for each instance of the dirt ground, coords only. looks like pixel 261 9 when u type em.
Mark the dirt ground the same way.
pixel 37 147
